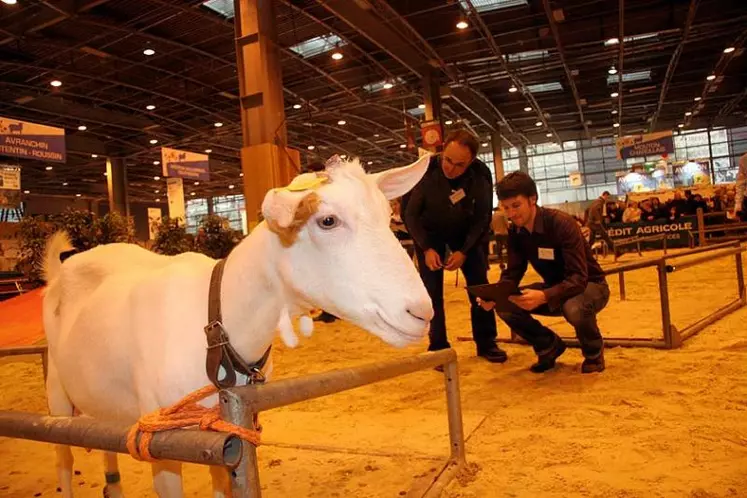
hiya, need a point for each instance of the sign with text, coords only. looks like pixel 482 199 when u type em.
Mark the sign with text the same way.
pixel 31 141
pixel 675 230
pixel 10 186
pixel 154 220
pixel 183 164
pixel 175 191
pixel 652 144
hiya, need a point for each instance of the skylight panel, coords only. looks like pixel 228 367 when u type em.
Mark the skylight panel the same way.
pixel 555 86
pixel 222 7
pixel 529 55
pixel 317 45
pixel 488 5
pixel 613 79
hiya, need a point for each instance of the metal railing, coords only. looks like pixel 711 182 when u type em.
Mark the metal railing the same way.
pixel 27 350
pixel 638 240
pixel 238 406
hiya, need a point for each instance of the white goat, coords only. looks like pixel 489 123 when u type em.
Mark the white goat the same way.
pixel 125 326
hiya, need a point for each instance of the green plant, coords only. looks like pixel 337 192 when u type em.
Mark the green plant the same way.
pixel 172 238
pixel 79 226
pixel 33 233
pixel 215 237
pixel 111 228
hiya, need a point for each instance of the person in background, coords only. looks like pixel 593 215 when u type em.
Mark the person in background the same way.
pixel 699 203
pixel 632 214
pixel 573 284
pixel 647 211
pixel 451 208
pixel 398 227
pixel 741 183
pixel 660 212
pixel 499 225
pixel 614 214
pixel 595 221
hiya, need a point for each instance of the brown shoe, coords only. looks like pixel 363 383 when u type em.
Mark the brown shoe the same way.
pixel 547 361
pixel 595 365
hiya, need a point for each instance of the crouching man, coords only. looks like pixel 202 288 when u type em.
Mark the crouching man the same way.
pixel 574 285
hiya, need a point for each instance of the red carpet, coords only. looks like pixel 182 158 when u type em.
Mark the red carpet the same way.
pixel 21 320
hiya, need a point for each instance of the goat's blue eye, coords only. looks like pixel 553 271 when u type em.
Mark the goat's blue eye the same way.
pixel 328 222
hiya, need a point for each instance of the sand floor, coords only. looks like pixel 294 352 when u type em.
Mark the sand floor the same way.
pixel 654 424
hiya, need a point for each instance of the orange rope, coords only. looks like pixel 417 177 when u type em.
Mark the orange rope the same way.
pixel 185 413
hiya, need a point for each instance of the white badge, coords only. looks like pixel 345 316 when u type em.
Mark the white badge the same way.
pixel 547 253
pixel 457 196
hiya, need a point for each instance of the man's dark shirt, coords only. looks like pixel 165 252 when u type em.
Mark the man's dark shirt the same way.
pixel 434 220
pixel 557 251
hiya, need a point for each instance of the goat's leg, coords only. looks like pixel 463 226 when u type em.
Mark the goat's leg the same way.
pixel 167 479
pixel 113 488
pixel 60 406
pixel 221 482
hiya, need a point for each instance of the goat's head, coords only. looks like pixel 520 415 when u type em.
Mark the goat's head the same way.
pixel 339 254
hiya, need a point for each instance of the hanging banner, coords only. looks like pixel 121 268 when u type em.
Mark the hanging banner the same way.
pixel 677 231
pixel 575 179
pixel 432 134
pixel 183 164
pixel 10 186
pixel 154 220
pixel 175 191
pixel 32 141
pixel 652 144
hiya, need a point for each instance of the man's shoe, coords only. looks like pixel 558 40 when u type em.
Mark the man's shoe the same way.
pixel 547 361
pixel 493 354
pixel 595 365
pixel 326 317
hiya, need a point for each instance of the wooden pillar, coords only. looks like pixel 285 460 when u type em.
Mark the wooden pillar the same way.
pixel 432 100
pixel 116 181
pixel 211 209
pixel 265 159
pixel 495 143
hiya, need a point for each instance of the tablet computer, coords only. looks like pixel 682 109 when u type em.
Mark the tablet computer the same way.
pixel 497 293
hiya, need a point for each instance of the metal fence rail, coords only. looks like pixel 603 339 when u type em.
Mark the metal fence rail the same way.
pixel 238 405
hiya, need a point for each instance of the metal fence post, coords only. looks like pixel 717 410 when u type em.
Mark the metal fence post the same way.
pixel 245 477
pixel 454 406
pixel 701 227
pixel 666 318
pixel 664 243
pixel 740 276
pixel 621 277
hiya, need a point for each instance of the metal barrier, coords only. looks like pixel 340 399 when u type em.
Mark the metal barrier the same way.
pixel 238 405
pixel 637 241
pixel 27 350
pixel 671 337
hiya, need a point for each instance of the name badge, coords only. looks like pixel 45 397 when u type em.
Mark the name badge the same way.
pixel 457 196
pixel 547 253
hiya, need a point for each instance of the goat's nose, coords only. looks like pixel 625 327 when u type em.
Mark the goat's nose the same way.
pixel 422 310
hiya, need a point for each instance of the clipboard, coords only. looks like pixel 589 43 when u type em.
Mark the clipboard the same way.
pixel 497 293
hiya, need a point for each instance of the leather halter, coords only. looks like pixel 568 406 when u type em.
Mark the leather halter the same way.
pixel 220 353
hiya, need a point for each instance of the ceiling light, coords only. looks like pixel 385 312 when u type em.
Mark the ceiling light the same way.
pixel 698 99
pixel 614 95
pixel 711 77
pixel 369 163
pixel 337 55
pixel 156 163
pixel 64 184
pixel 218 124
pixel 94 156
pixel 197 183
pixel 462 24
pixel 77 195
pixel 297 106
pixel 403 146
pixel 157 192
pixel 232 186
pixel 448 122
pixel 10 2
pixel 548 135
pixel 681 125
pixel 149 51
pixel 105 173
pixel 538 123
pixel 484 144
pixel 55 83
pixel 150 107
pixel 612 41
pixel 153 141
pixel 191 193
pixel 376 135
pixel 616 125
pixel 49 168
pixel 208 151
pixel 156 178
pixel 342 122
pixel 528 109
pixel 729 50
pixel 158 200
pixel 614 111
pixel 25 191
pixel 241 174
pixel 82 128
pixel 387 85
pixel 343 156
pixel 688 113
pixel 513 89
pixel 612 70
pixel 421 106
pixel 311 147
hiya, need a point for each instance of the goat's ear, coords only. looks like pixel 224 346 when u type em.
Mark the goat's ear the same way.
pixel 280 205
pixel 396 182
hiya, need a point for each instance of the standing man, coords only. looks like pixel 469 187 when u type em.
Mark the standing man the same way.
pixel 595 221
pixel 574 285
pixel 451 208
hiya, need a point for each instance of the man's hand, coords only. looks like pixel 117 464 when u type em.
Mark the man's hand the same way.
pixel 455 261
pixel 732 215
pixel 529 299
pixel 433 260
pixel 486 305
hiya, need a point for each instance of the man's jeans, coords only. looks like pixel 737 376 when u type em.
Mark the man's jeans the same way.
pixel 580 311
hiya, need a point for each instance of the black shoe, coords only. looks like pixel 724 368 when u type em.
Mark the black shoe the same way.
pixel 493 354
pixel 547 360
pixel 325 317
pixel 595 365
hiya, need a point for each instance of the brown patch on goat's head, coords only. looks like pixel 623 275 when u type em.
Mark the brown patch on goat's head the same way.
pixel 307 208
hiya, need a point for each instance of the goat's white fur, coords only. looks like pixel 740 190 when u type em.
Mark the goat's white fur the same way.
pixel 125 325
